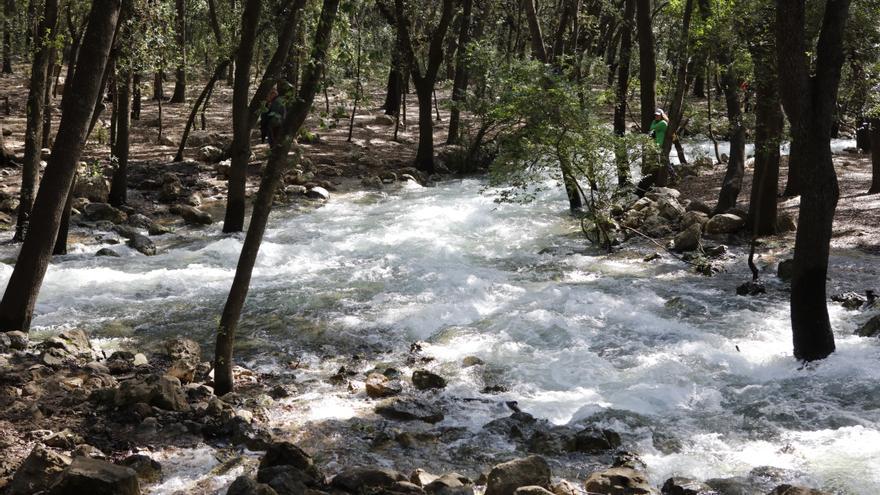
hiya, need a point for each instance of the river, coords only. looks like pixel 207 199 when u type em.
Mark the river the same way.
pixel 699 381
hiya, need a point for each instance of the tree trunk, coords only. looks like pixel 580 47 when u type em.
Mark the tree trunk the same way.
pixel 17 306
pixel 647 63
pixel 218 73
pixel 45 136
pixel 460 81
pixel 393 87
pixel 275 167
pixel 676 107
pixel 241 130
pixel 809 101
pixel 875 156
pixel 30 171
pixel 119 184
pixel 537 38
pixel 425 82
pixel 768 137
pixel 8 13
pixel 733 177
pixel 158 90
pixel 179 95
pixel 241 149
pixel 623 177
pixel 136 97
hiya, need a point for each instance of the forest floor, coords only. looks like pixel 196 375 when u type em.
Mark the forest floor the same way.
pixel 336 164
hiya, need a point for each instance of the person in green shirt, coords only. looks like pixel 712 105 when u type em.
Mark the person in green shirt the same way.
pixel 658 127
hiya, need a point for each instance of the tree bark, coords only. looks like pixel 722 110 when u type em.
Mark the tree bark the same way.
pixel 623 176
pixel 809 101
pixel 8 13
pixel 425 82
pixel 460 81
pixel 875 156
pixel 16 307
pixel 241 130
pixel 275 167
pixel 179 95
pixel 218 73
pixel 241 149
pixel 731 185
pixel 537 38
pixel 33 137
pixel 119 184
pixel 676 107
pixel 647 63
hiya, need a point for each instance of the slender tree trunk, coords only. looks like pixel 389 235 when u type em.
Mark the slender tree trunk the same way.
pixel 218 73
pixel 17 306
pixel 357 77
pixel 460 81
pixel 45 136
pixel 732 183
pixel 275 167
pixel 241 131
pixel 875 156
pixel 136 97
pixel 768 136
pixel 119 184
pixel 241 149
pixel 8 13
pixel 392 88
pixel 179 95
pixel 676 108
pixel 158 90
pixel 647 63
pixel 537 38
pixel 623 176
pixel 809 97
pixel 30 171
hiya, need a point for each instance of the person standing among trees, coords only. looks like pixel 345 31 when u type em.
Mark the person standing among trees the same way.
pixel 659 126
pixel 270 120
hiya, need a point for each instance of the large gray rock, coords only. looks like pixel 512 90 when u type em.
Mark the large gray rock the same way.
pixel 18 340
pixel 724 223
pixel 795 490
pixel 193 215
pixel 94 188
pixel 450 484
pixel 73 341
pixel 622 480
pixel 244 485
pixel 142 244
pixel 181 348
pixel 506 477
pixel 164 392
pixel 691 217
pixel 670 208
pixel 103 211
pixel 38 471
pixel 210 154
pixel 409 409
pixel 699 206
pixel 688 239
pixel 318 192
pixel 87 476
pixel 871 328
pixel 353 480
pixel 684 486
pixel 424 380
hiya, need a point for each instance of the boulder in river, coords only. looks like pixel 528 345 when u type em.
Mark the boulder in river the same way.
pixel 318 192
pixel 724 223
pixel 850 300
pixel 380 386
pixel 410 409
pixel 871 328
pixel 192 215
pixel 621 480
pixel 795 490
pixel 244 485
pixel 785 270
pixel 142 244
pixel 506 477
pixel 92 187
pixel 359 479
pixel 688 239
pixel 424 380
pixel 103 211
pixel 96 477
pixel 148 469
pixel 684 486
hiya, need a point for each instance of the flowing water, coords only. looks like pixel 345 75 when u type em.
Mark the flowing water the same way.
pixel 700 382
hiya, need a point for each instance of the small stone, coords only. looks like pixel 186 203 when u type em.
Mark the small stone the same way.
pixel 148 469
pixel 532 490
pixel 684 486
pixel 785 270
pixel 751 288
pixel 318 192
pixel 244 485
pixel 379 386
pixel 142 244
pixel 619 480
pixel 359 479
pixel 871 328
pixel 139 360
pixel 183 370
pixel 192 215
pixel 409 409
pixel 425 380
pixel 103 211
pixel 469 361
pixel 795 490
pixel 107 252
pixel 850 300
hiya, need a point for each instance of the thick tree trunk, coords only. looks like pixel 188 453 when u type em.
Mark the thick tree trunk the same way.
pixel 731 185
pixel 275 167
pixel 241 130
pixel 623 176
pixel 17 306
pixel 647 63
pixel 33 137
pixel 393 87
pixel 119 184
pixel 460 81
pixel 875 156
pixel 179 95
pixel 809 101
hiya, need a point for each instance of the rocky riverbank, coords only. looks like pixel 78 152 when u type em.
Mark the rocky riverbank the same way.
pixel 79 419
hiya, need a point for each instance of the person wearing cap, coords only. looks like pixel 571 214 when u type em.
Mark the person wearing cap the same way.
pixel 659 126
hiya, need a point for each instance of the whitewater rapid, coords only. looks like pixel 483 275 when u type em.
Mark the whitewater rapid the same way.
pixel 700 381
